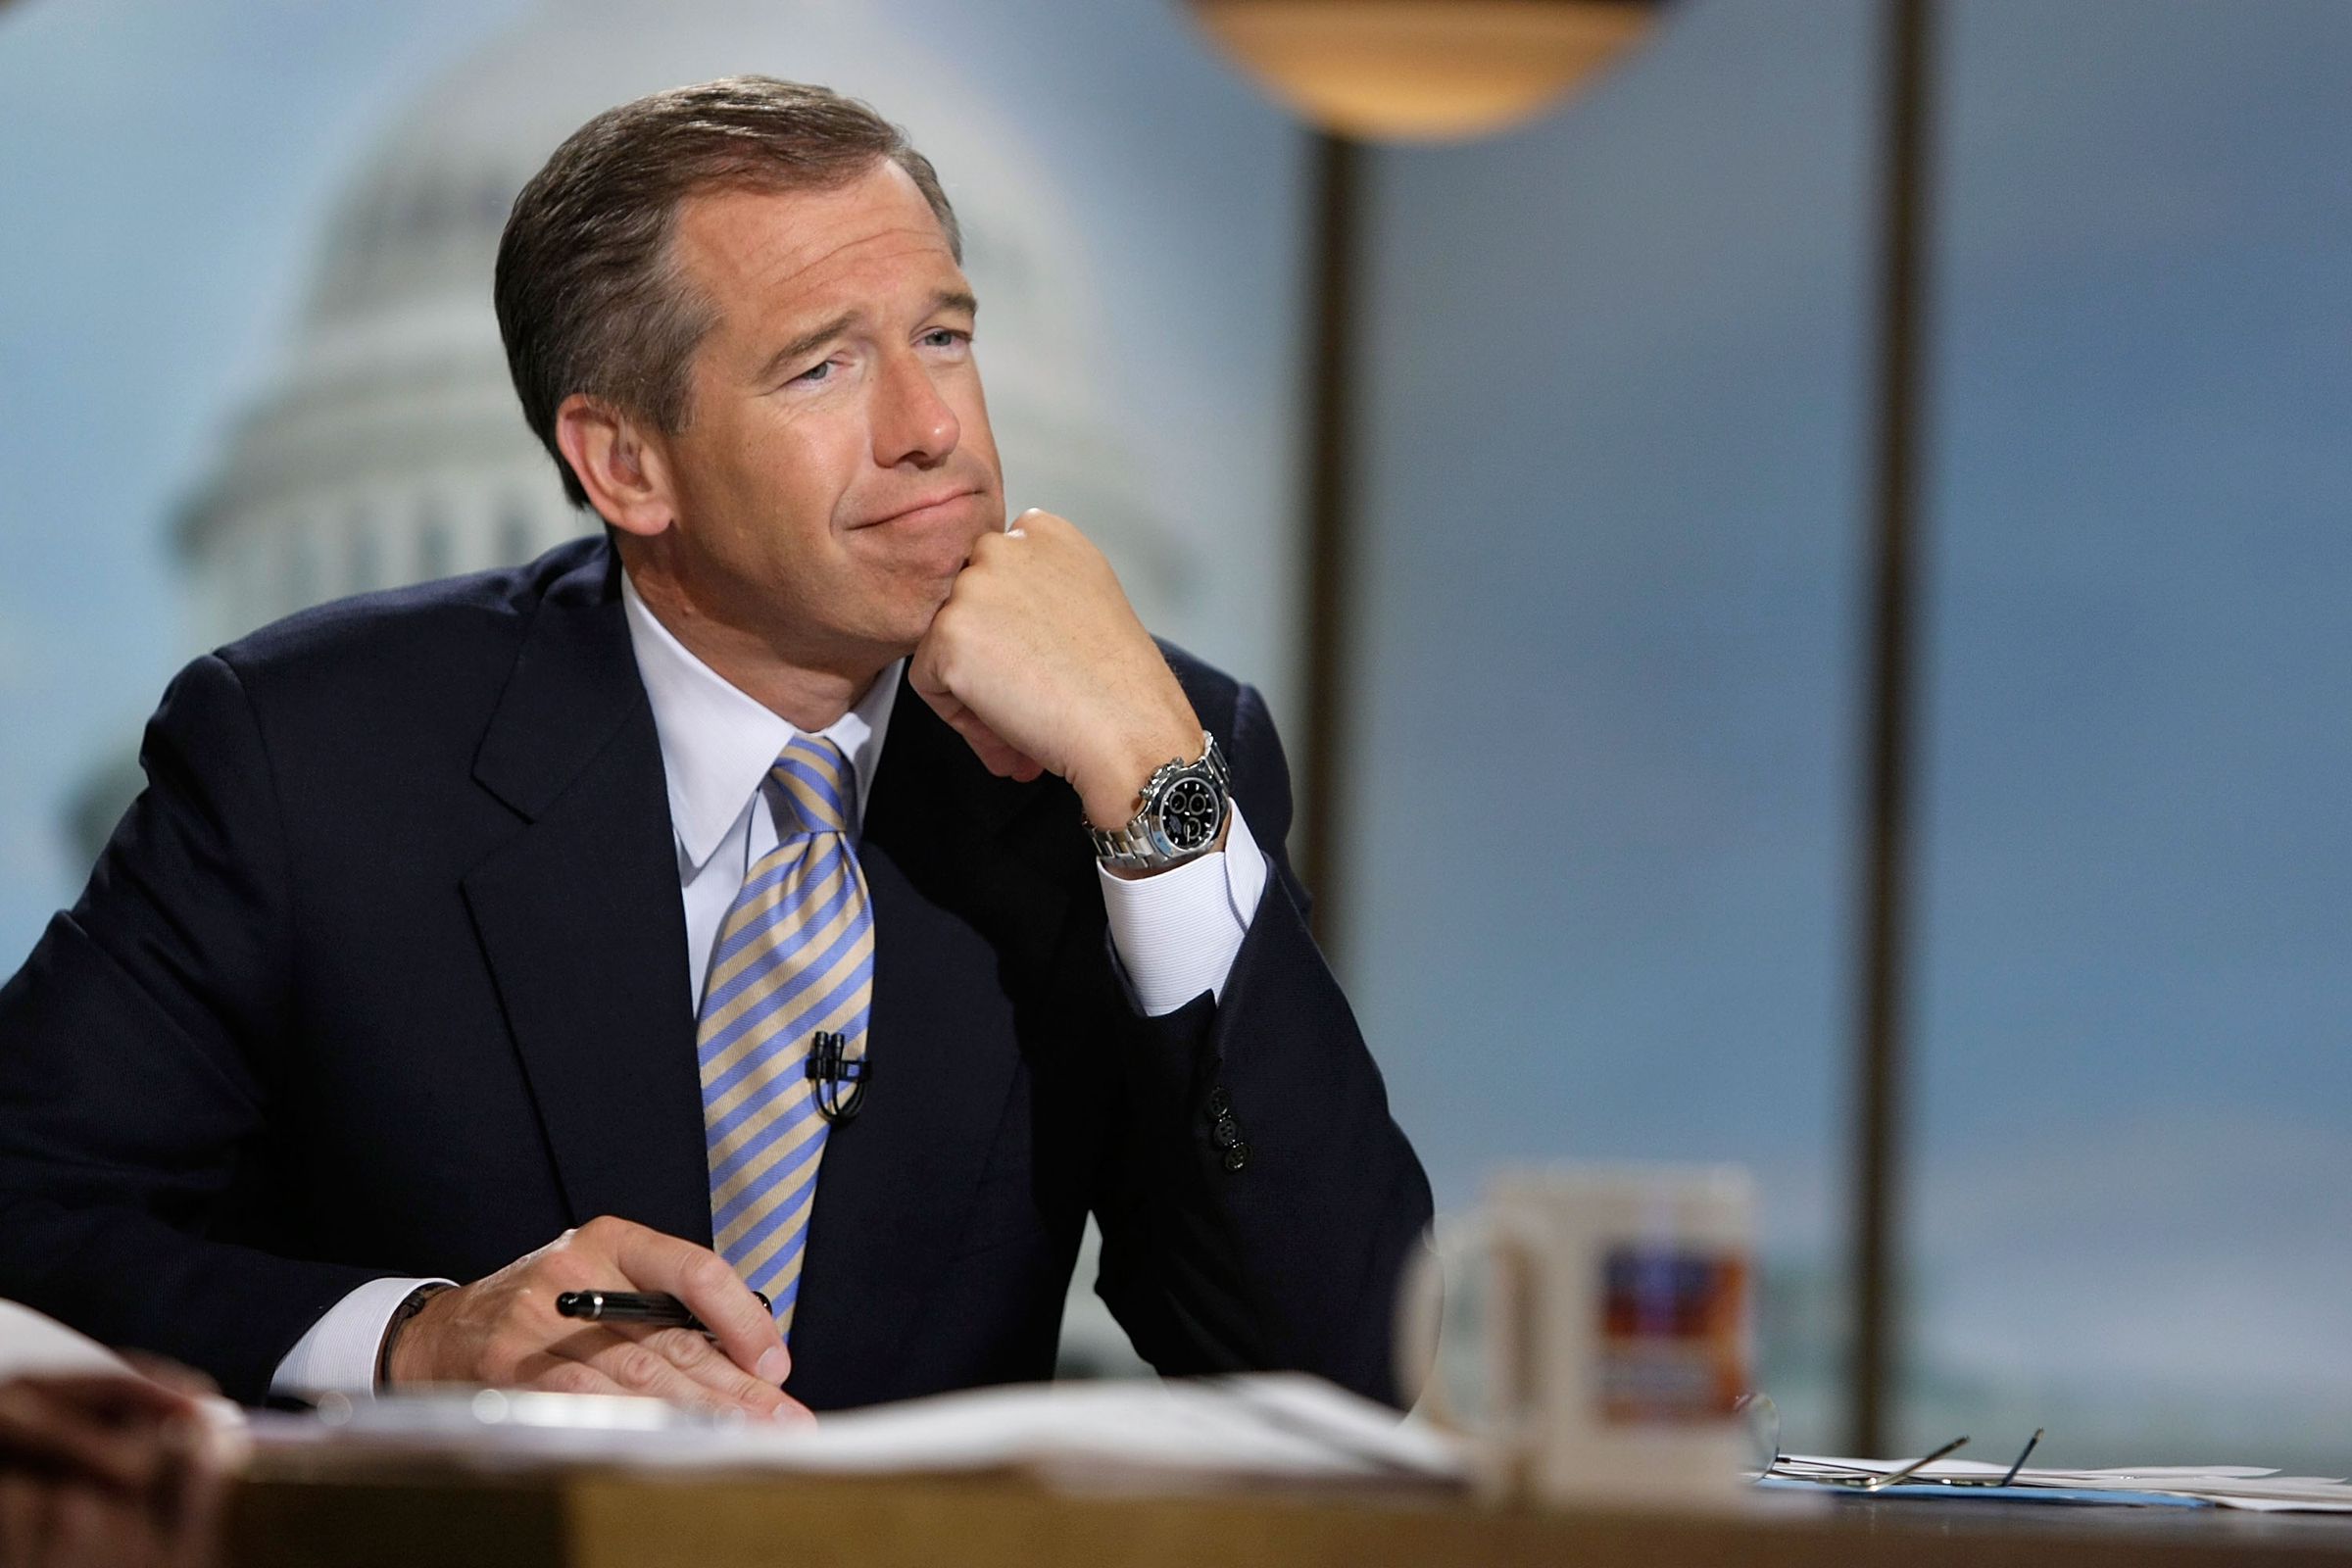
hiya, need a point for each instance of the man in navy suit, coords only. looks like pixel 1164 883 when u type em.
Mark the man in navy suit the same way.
pixel 418 987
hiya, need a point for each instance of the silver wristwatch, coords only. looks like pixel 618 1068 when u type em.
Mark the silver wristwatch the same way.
pixel 1184 808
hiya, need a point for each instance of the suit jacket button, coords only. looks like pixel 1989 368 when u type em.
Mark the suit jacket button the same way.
pixel 1226 1134
pixel 1219 1102
pixel 1237 1157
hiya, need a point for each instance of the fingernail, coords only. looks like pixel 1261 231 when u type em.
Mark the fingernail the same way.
pixel 774 1366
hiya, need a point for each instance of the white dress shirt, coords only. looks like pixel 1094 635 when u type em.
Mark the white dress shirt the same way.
pixel 1174 934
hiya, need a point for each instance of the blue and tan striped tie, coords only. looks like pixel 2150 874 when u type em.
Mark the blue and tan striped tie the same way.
pixel 796 955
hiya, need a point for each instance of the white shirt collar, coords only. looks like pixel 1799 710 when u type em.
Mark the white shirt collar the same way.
pixel 719 742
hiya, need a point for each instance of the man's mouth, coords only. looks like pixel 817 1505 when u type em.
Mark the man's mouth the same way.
pixel 922 510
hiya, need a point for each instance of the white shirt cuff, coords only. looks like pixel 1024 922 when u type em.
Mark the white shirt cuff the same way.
pixel 1177 932
pixel 338 1354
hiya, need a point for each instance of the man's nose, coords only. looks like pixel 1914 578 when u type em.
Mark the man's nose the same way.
pixel 913 422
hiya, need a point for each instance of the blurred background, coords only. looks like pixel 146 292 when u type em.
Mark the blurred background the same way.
pixel 1610 462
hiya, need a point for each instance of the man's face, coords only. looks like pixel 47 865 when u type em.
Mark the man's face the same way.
pixel 837 464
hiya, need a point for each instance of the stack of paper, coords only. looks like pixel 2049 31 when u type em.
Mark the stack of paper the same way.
pixel 1282 1427
pixel 2224 1485
pixel 1274 1426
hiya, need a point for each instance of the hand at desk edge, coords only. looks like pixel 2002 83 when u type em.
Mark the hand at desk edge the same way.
pixel 503 1330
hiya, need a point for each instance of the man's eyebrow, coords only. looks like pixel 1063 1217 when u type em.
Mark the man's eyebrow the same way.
pixel 808 343
pixel 816 337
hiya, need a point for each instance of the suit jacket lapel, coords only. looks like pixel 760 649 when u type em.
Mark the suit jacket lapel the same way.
pixel 580 920
pixel 947 845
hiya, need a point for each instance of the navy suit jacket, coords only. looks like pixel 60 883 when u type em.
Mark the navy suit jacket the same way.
pixel 382 975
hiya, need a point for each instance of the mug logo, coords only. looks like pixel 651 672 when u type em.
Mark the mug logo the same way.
pixel 1672 1344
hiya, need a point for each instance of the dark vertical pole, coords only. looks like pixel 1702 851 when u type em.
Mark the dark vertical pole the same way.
pixel 1887 757
pixel 1331 374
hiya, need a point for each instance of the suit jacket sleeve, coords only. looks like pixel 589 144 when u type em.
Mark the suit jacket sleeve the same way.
pixel 135 1052
pixel 1289 1256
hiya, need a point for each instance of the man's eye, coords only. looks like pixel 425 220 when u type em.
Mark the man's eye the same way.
pixel 814 374
pixel 944 338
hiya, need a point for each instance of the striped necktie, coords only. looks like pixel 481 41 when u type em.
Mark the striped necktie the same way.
pixel 795 955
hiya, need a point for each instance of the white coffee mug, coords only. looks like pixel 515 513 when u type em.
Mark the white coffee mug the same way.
pixel 1617 1334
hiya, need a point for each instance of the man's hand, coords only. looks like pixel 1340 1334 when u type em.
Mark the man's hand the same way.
pixel 105 1471
pixel 1038 660
pixel 503 1331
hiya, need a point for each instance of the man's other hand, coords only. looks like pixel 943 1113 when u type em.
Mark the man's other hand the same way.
pixel 503 1330
pixel 1040 663
pixel 101 1470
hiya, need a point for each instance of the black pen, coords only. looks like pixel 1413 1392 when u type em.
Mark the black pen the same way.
pixel 655 1308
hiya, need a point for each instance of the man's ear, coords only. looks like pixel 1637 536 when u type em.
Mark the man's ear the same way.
pixel 625 475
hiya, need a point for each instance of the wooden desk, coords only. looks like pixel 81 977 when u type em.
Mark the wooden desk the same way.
pixel 294 1514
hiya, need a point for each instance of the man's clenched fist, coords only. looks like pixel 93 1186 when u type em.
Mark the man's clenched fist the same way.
pixel 1038 660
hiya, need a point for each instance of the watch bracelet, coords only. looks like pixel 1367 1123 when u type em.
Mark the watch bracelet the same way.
pixel 1129 848
pixel 410 1305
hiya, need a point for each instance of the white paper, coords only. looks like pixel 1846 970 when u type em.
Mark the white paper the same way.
pixel 2230 1486
pixel 33 1345
pixel 1284 1427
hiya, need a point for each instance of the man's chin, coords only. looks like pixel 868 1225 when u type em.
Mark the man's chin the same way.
pixel 903 627
pixel 925 560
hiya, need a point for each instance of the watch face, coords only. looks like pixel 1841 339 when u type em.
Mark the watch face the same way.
pixel 1189 815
